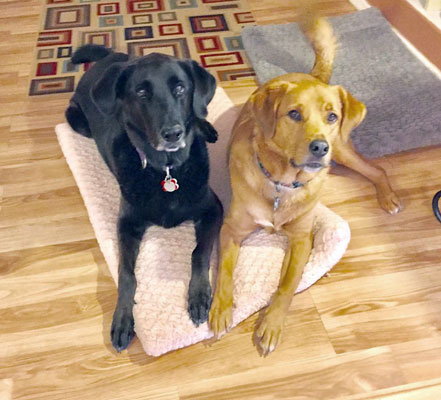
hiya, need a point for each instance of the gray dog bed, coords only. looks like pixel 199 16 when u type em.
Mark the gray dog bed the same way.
pixel 402 96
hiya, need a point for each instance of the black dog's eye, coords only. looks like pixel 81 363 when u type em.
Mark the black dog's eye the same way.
pixel 295 115
pixel 144 90
pixel 179 90
pixel 332 117
pixel 141 92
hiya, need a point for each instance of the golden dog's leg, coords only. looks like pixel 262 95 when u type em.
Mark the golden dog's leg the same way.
pixel 345 154
pixel 221 312
pixel 232 233
pixel 268 332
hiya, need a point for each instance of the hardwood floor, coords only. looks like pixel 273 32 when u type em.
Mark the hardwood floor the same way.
pixel 371 330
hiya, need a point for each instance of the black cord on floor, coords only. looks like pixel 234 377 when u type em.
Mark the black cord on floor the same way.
pixel 435 205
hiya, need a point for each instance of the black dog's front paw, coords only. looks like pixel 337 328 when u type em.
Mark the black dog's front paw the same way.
pixel 199 301
pixel 122 331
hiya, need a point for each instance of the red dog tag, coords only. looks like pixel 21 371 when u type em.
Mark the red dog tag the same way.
pixel 169 184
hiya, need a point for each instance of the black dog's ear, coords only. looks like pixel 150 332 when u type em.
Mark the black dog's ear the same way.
pixel 206 130
pixel 111 85
pixel 204 87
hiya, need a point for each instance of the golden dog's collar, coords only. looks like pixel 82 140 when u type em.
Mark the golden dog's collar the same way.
pixel 277 184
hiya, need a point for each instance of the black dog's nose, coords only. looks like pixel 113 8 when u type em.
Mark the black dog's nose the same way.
pixel 319 148
pixel 172 134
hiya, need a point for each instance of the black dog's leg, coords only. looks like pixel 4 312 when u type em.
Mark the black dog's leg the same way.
pixel 131 229
pixel 207 228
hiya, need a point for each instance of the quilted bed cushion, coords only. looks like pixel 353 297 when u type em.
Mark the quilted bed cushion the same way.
pixel 163 266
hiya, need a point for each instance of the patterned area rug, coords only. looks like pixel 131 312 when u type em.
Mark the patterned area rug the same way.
pixel 207 31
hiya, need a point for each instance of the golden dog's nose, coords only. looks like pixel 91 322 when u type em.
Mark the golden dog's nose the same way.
pixel 319 148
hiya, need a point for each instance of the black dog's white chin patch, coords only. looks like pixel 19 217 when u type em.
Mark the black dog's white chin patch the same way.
pixel 171 147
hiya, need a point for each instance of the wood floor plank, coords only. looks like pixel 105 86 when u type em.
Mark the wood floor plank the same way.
pixel 38 260
pixel 45 206
pixel 428 390
pixel 324 378
pixel 29 178
pixel 380 309
pixel 45 233
pixel 6 386
pixel 419 360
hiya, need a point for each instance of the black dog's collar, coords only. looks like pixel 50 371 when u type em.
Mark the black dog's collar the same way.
pixel 169 184
pixel 143 158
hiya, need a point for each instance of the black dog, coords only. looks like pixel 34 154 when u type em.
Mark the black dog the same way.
pixel 147 116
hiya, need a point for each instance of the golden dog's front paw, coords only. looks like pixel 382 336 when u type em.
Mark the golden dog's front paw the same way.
pixel 389 201
pixel 269 333
pixel 221 315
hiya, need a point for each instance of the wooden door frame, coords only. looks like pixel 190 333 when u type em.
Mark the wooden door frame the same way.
pixel 414 26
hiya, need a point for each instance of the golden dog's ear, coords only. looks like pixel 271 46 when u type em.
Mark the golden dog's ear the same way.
pixel 353 113
pixel 265 104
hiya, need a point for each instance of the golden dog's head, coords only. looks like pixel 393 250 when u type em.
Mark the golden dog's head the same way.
pixel 301 117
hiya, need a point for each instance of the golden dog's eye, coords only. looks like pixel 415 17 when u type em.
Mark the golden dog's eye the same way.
pixel 295 115
pixel 332 117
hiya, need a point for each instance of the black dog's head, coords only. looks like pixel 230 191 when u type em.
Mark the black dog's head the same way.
pixel 157 99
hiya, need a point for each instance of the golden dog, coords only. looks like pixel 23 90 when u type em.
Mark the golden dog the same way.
pixel 281 148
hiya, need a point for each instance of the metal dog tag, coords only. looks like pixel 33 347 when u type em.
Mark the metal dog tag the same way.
pixel 169 184
pixel 276 203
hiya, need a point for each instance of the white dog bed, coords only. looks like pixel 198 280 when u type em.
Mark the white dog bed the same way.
pixel 163 266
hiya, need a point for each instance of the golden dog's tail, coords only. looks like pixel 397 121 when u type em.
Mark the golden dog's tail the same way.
pixel 321 35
